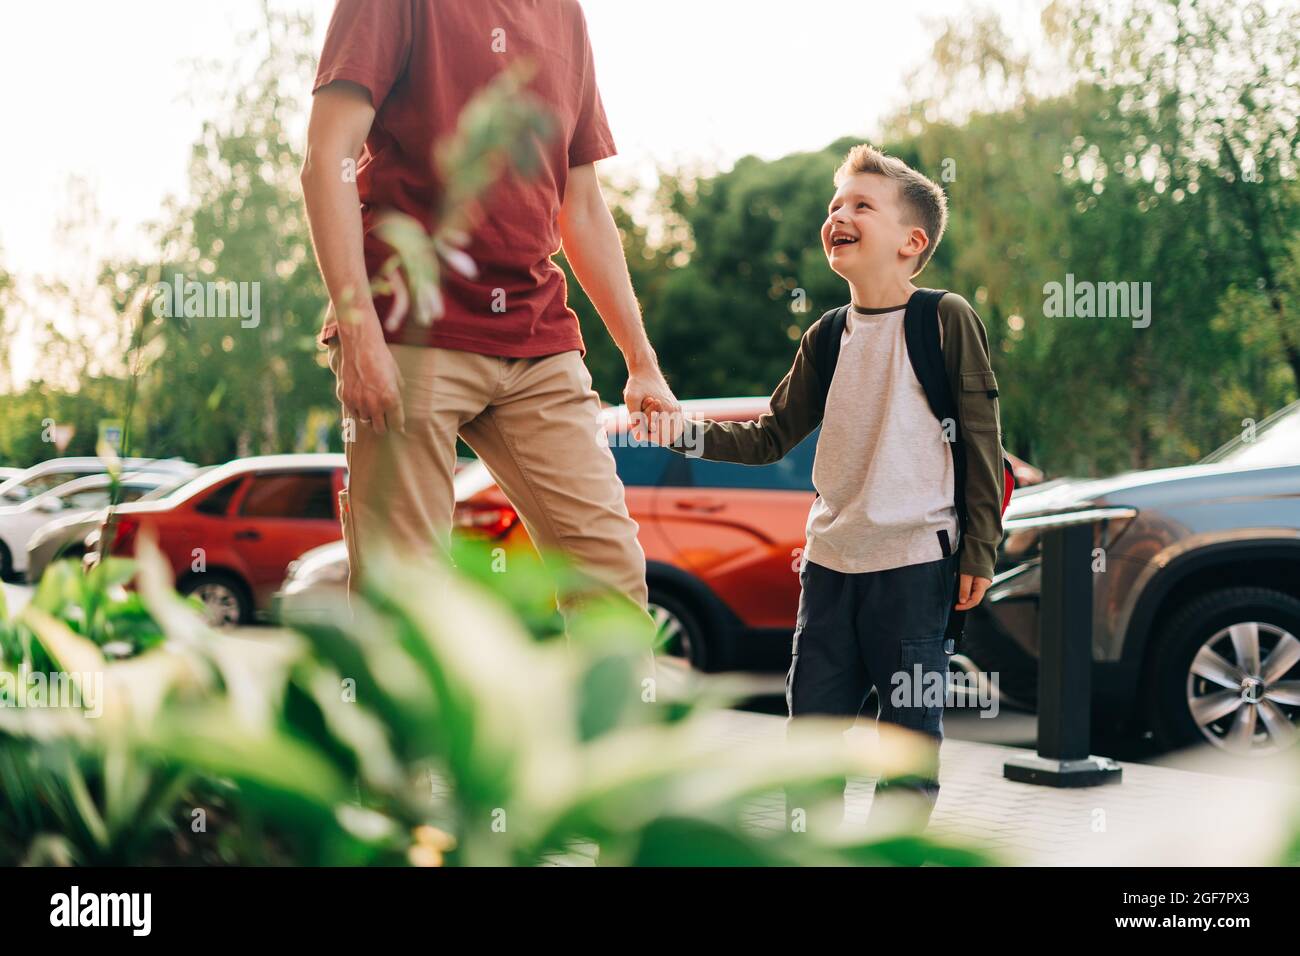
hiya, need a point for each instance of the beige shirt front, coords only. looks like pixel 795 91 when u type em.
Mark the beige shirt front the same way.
pixel 884 471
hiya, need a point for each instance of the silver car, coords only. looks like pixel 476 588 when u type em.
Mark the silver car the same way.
pixel 1196 596
pixel 65 537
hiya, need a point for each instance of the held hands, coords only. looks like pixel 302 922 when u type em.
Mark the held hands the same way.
pixel 655 412
pixel 970 591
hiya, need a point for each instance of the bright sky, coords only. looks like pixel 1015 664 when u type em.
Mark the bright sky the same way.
pixel 98 92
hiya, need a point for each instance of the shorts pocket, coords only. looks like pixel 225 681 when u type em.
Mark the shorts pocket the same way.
pixel 979 401
pixel 917 701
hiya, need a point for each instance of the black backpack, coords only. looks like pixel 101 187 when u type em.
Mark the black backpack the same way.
pixel 921 332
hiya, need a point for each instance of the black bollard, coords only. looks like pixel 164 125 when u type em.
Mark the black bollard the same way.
pixel 1065 668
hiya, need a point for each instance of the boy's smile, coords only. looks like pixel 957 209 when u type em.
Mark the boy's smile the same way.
pixel 866 240
pixel 862 222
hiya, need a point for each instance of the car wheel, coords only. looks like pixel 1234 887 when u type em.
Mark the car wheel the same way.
pixel 225 601
pixel 679 632
pixel 6 563
pixel 1227 672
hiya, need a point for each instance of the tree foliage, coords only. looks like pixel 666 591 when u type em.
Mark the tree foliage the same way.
pixel 1147 141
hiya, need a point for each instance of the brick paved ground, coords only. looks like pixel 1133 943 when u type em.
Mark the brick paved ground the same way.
pixel 1158 815
pixel 1155 816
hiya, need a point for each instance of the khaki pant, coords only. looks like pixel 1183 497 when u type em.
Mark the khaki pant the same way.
pixel 533 422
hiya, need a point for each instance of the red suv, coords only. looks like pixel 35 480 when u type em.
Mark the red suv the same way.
pixel 231 533
pixel 722 541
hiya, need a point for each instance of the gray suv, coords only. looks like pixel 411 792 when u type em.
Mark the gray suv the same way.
pixel 1196 596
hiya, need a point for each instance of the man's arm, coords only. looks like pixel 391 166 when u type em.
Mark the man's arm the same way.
pixel 797 407
pixel 970 376
pixel 592 245
pixel 369 381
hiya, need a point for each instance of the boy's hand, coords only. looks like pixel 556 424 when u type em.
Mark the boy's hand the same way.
pixel 971 591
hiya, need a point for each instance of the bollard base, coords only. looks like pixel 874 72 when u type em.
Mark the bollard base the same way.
pixel 1048 772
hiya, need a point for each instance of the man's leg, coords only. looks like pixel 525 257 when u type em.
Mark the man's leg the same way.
pixel 541 440
pixel 399 492
pixel 827 676
pixel 902 616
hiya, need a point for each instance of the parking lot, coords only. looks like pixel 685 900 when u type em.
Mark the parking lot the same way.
pixel 1009 727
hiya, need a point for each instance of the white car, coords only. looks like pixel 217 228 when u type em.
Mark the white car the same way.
pixel 80 496
pixel 39 479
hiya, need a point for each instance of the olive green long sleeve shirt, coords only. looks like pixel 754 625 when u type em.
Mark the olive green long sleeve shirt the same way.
pixel 797 408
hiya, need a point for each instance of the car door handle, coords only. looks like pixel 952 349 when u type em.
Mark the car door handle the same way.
pixel 249 535
pixel 705 505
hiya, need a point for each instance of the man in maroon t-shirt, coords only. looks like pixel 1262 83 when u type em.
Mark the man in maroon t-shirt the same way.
pixel 503 367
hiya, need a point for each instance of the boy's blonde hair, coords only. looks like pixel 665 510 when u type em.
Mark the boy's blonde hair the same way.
pixel 924 203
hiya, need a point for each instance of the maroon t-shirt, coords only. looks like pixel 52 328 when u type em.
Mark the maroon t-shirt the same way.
pixel 421 61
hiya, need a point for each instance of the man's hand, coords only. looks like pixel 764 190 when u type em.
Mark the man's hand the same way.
pixel 971 591
pixel 647 392
pixel 370 384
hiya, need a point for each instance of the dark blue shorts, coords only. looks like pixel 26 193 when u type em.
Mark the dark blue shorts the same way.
pixel 882 629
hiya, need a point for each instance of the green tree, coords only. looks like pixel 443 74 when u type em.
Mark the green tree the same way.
pixel 214 388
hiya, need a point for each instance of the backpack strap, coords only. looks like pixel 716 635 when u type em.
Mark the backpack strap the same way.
pixel 925 351
pixel 827 353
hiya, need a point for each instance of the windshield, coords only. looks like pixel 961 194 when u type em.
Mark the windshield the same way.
pixel 20 489
pixel 1276 441
pixel 195 483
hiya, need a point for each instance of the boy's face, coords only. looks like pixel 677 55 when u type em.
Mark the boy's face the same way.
pixel 864 236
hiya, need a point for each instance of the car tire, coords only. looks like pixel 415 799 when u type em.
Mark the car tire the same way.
pixel 225 599
pixel 1256 723
pixel 680 631
pixel 6 563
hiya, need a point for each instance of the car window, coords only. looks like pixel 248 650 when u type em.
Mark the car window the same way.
pixel 791 473
pixel 640 465
pixel 134 492
pixel 89 498
pixel 39 484
pixel 290 494
pixel 218 502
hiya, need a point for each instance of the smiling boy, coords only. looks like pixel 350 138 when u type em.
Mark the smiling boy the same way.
pixel 908 512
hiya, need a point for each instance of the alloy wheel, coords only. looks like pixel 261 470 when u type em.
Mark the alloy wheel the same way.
pixel 220 603
pixel 1243 688
pixel 672 636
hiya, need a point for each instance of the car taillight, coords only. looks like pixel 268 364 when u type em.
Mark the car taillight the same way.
pixel 487 521
pixel 124 536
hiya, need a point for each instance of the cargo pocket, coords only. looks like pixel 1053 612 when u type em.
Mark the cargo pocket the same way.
pixel 979 401
pixel 925 668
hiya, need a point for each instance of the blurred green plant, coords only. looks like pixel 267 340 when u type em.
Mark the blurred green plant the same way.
pixel 432 727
